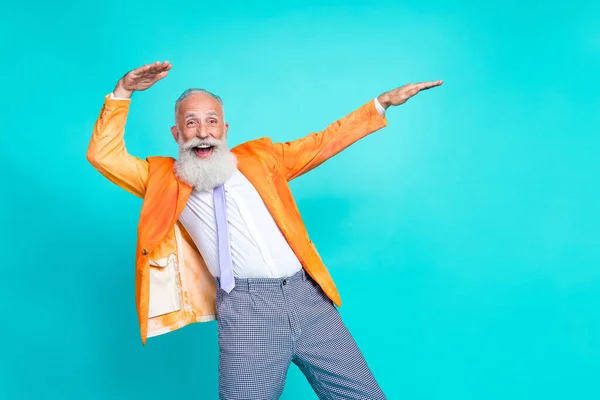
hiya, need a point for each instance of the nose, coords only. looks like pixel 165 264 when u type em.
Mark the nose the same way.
pixel 202 132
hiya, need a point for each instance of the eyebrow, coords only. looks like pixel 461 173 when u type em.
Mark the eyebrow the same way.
pixel 191 114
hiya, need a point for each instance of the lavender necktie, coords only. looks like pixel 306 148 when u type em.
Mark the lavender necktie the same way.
pixel 225 265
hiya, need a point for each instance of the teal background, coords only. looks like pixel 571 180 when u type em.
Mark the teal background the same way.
pixel 463 237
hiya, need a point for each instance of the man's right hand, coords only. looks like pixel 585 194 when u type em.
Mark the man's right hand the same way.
pixel 141 78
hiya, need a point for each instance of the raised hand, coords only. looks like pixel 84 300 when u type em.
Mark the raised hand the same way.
pixel 141 78
pixel 402 94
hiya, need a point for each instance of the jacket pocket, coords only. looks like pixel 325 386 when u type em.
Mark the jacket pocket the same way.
pixel 165 293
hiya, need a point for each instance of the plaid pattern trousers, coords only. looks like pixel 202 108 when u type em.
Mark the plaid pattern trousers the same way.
pixel 266 324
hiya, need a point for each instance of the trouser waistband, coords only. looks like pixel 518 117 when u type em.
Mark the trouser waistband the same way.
pixel 248 284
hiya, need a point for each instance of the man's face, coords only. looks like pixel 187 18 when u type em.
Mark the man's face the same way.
pixel 199 118
pixel 204 158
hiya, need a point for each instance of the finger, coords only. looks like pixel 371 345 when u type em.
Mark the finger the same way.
pixel 153 70
pixel 146 68
pixel 138 71
pixel 160 67
pixel 161 75
pixel 411 88
pixel 428 85
pixel 155 66
pixel 165 66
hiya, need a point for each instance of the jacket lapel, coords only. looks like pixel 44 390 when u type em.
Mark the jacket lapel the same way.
pixel 183 194
pixel 165 199
pixel 261 179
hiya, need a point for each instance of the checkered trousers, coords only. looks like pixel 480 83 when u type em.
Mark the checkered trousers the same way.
pixel 264 325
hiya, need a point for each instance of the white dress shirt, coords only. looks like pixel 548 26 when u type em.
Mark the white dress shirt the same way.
pixel 258 248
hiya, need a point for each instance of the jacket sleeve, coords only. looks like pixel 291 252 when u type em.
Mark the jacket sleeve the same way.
pixel 297 157
pixel 107 153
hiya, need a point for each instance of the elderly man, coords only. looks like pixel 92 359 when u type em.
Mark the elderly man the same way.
pixel 220 237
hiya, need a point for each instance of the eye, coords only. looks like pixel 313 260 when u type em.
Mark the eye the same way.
pixel 212 121
pixel 190 123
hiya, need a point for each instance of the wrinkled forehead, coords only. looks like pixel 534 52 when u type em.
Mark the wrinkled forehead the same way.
pixel 199 104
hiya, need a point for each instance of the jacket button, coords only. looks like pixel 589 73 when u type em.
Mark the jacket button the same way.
pixel 144 252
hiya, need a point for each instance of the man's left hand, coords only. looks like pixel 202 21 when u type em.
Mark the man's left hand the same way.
pixel 402 94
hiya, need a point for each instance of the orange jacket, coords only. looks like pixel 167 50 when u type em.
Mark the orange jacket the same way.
pixel 173 287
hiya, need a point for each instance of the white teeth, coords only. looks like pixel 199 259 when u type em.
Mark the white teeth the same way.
pixel 204 146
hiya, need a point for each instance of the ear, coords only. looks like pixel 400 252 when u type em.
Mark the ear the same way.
pixel 225 129
pixel 174 132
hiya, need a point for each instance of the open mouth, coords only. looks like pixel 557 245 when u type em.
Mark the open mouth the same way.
pixel 203 151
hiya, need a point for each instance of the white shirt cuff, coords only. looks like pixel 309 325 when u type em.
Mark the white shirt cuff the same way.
pixel 379 107
pixel 112 96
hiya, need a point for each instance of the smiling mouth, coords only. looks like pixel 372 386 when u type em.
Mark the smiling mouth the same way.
pixel 203 150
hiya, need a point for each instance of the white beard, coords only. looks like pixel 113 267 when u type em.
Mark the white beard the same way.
pixel 205 174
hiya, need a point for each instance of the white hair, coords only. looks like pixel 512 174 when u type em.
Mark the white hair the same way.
pixel 192 91
pixel 204 174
